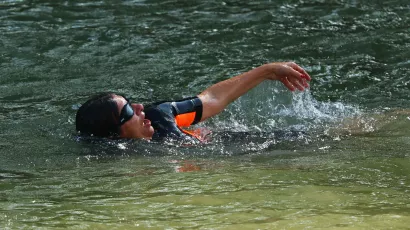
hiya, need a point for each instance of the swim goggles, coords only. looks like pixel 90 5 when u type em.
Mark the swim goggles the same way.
pixel 126 112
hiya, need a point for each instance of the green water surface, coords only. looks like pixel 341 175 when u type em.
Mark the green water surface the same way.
pixel 350 171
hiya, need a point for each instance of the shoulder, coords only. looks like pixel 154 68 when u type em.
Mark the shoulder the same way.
pixel 158 109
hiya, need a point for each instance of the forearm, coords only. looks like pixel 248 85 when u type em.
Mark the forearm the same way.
pixel 218 96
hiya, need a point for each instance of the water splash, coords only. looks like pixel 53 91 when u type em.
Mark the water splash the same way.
pixel 308 110
pixel 268 108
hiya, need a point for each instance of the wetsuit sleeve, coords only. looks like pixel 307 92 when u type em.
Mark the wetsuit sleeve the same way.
pixel 187 112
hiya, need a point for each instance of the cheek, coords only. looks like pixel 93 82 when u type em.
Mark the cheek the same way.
pixel 135 122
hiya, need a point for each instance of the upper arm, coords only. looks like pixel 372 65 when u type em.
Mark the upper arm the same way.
pixel 210 106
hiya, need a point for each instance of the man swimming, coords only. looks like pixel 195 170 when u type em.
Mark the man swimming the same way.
pixel 114 116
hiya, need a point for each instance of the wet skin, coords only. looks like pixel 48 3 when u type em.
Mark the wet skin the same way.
pixel 137 126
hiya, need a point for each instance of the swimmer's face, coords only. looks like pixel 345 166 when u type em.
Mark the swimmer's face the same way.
pixel 137 126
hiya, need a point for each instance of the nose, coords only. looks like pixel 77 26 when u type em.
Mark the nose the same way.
pixel 138 108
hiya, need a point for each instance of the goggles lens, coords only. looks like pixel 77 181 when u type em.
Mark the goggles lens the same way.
pixel 126 113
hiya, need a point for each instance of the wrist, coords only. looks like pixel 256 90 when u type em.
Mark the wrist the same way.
pixel 268 71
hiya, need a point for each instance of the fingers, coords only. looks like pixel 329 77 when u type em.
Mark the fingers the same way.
pixel 305 84
pixel 292 84
pixel 292 72
pixel 297 79
pixel 299 85
pixel 291 75
pixel 305 75
pixel 288 85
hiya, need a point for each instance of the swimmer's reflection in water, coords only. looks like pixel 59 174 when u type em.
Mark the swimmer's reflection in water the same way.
pixel 113 116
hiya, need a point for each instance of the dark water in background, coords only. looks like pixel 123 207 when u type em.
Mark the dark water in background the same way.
pixel 55 54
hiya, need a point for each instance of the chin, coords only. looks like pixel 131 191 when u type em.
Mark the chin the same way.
pixel 149 133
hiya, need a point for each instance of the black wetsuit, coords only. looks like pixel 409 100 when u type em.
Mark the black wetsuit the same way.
pixel 168 117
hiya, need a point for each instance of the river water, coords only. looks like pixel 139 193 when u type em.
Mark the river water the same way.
pixel 349 169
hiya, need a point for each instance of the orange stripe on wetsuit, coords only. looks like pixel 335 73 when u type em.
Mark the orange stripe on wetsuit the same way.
pixel 185 120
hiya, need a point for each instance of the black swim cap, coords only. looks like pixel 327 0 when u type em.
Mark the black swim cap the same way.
pixel 98 116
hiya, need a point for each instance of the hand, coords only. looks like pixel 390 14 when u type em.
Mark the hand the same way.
pixel 290 74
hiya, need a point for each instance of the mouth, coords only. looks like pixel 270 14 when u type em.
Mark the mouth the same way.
pixel 147 122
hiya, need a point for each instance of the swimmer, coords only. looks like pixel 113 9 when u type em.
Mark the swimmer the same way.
pixel 111 115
